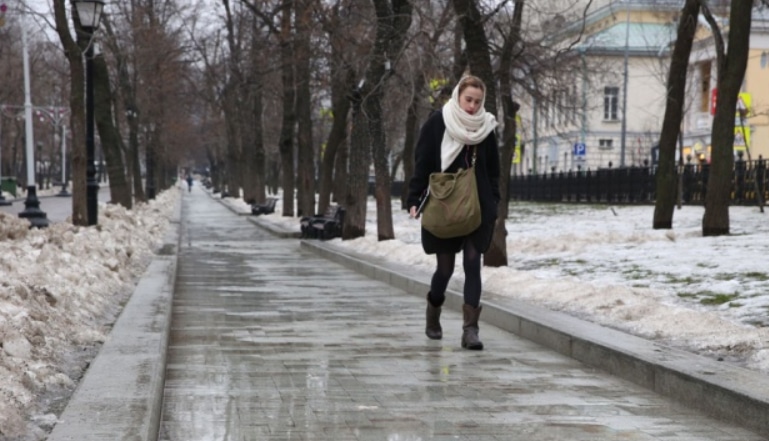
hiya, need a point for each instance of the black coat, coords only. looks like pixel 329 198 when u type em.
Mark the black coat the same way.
pixel 427 159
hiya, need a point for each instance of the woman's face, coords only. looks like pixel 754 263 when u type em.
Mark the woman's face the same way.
pixel 470 99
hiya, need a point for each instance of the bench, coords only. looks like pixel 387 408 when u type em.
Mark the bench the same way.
pixel 265 208
pixel 327 225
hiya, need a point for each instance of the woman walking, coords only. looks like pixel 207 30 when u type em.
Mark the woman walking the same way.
pixel 461 135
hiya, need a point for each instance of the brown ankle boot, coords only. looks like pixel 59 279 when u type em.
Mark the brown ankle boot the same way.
pixel 470 338
pixel 433 329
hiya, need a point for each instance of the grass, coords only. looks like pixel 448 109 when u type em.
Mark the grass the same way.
pixel 635 272
pixel 712 298
pixel 717 299
pixel 749 276
pixel 761 277
pixel 688 280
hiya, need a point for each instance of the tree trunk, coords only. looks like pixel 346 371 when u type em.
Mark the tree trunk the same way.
pixel 273 174
pixel 357 185
pixel 254 157
pixel 120 192
pixel 133 138
pixel 127 93
pixel 260 162
pixel 248 150
pixel 305 150
pixel 671 124
pixel 731 73
pixel 213 165
pixel 496 255
pixel 392 27
pixel 479 62
pixel 341 170
pixel 477 49
pixel 234 110
pixel 231 118
pixel 247 142
pixel 286 143
pixel 410 140
pixel 74 56
pixel 342 80
pixel 373 106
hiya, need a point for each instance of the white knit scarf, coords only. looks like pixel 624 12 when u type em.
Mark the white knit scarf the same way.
pixel 462 128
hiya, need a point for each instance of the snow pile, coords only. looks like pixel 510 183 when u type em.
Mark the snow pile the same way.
pixel 60 290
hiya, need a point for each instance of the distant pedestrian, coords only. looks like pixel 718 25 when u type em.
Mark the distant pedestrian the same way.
pixel 452 138
pixel 189 183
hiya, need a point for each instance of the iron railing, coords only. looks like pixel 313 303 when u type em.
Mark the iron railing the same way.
pixel 638 184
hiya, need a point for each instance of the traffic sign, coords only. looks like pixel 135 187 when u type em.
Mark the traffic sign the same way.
pixel 744 102
pixel 579 149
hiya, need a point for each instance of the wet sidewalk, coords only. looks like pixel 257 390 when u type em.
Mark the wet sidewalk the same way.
pixel 269 341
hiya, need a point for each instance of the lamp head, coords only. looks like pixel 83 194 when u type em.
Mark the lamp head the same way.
pixel 89 13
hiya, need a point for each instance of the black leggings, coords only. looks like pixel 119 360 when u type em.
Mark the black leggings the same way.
pixel 471 262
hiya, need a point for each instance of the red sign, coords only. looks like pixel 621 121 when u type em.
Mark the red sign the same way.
pixel 713 97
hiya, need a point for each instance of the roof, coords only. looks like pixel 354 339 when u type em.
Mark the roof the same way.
pixel 640 37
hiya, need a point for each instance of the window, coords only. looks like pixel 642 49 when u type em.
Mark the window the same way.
pixel 610 103
pixel 605 144
pixel 704 87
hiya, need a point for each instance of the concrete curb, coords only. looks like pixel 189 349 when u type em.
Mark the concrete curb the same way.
pixel 121 394
pixel 721 390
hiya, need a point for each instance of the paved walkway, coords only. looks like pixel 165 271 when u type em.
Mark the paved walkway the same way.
pixel 271 342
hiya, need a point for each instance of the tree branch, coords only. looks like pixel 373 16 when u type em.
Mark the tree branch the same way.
pixel 718 38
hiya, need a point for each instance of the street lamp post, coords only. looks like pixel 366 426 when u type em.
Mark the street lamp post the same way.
pixel 32 212
pixel 624 89
pixel 89 14
pixel 57 115
pixel 3 201
pixel 150 163
pixel 63 192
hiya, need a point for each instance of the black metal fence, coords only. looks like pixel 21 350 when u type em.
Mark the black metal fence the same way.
pixel 637 184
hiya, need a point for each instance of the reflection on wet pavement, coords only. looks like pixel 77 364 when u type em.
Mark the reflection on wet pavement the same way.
pixel 270 342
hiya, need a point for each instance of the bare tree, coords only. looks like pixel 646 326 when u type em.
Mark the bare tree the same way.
pixel 126 90
pixel 305 151
pixel 289 107
pixel 393 21
pixel 496 255
pixel 731 72
pixel 254 154
pixel 359 161
pixel 478 50
pixel 342 76
pixel 111 141
pixel 671 126
pixel 74 54
pixel 428 78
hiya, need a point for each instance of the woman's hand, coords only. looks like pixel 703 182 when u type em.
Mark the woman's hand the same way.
pixel 413 212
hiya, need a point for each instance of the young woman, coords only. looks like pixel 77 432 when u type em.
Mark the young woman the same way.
pixel 451 139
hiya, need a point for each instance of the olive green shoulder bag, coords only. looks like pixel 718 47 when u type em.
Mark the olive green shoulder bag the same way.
pixel 452 207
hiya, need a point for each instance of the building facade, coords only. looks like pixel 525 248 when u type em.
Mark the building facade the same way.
pixel 608 111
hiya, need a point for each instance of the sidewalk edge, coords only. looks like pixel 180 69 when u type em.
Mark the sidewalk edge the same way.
pixel 721 390
pixel 121 394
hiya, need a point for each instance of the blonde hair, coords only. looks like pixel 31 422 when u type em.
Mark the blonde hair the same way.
pixel 471 81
